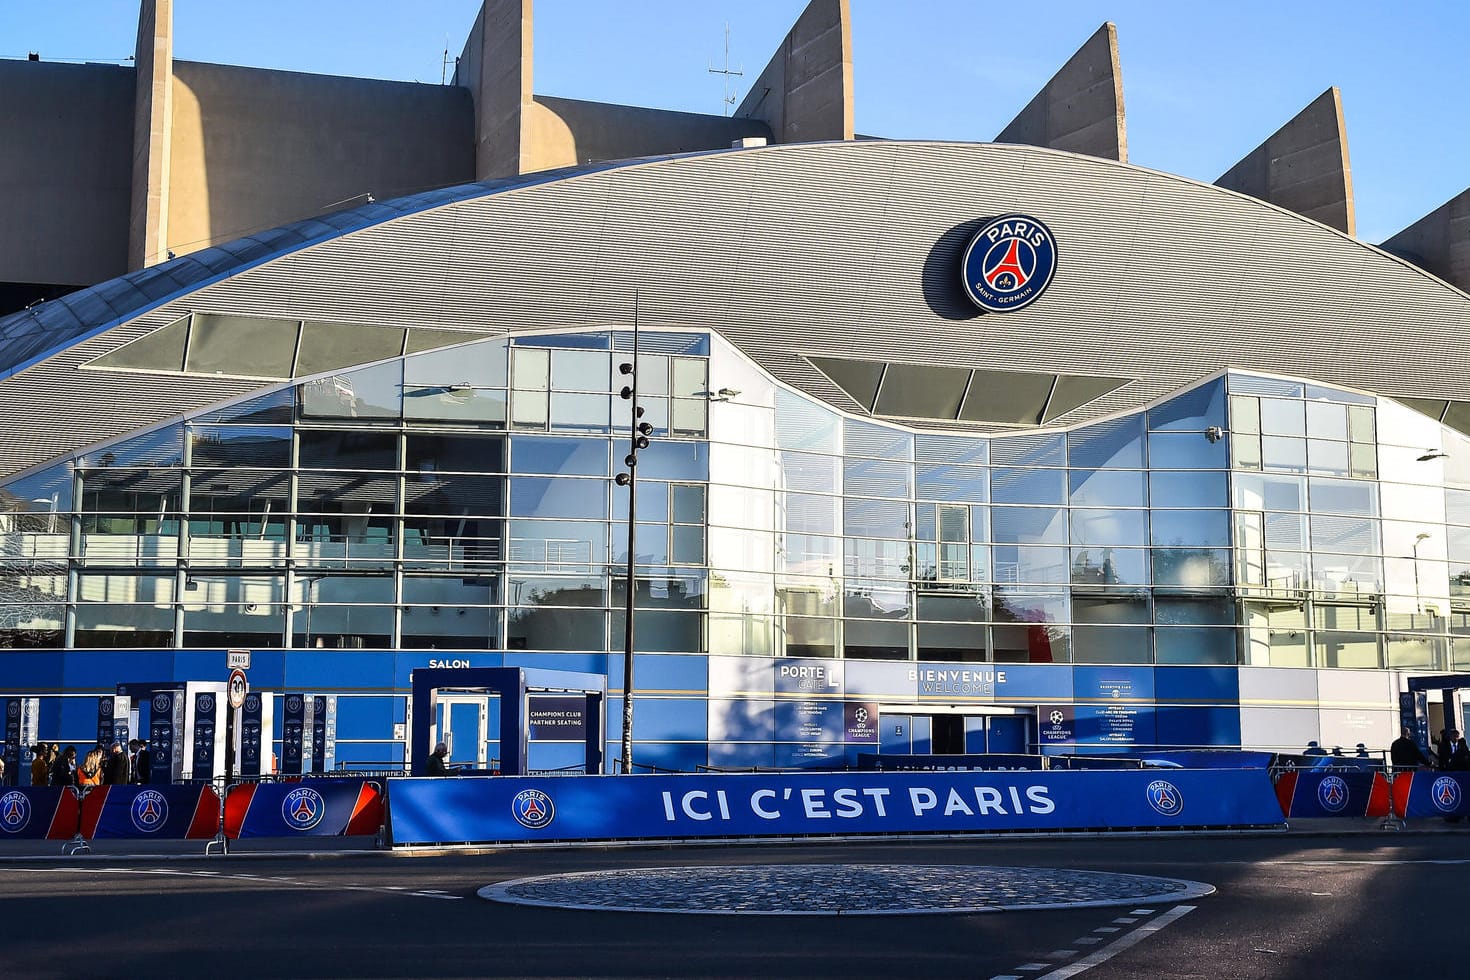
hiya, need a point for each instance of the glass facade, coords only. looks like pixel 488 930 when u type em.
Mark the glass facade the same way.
pixel 462 499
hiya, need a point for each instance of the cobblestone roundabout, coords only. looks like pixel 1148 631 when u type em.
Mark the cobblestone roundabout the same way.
pixel 840 889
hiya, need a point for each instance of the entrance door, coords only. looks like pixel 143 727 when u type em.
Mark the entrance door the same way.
pixel 949 734
pixel 1007 734
pixel 464 726
pixel 895 734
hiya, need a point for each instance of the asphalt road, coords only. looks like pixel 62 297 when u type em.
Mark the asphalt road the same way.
pixel 1345 907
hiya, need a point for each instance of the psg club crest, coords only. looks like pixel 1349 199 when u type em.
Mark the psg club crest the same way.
pixel 15 812
pixel 1165 797
pixel 1445 793
pixel 1009 263
pixel 149 811
pixel 303 808
pixel 532 809
pixel 162 702
pixel 1332 793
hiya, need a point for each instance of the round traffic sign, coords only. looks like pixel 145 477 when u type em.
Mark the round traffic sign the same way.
pixel 237 688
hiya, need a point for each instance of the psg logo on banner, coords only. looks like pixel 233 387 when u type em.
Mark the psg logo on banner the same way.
pixel 1165 797
pixel 1445 793
pixel 532 809
pixel 303 808
pixel 1009 263
pixel 149 810
pixel 15 812
pixel 163 702
pixel 1332 793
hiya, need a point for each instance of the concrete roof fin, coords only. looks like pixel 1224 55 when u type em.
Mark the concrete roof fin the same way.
pixel 1081 108
pixel 1439 242
pixel 805 92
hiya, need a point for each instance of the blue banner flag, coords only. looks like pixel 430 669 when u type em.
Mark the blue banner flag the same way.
pixel 986 762
pixel 430 811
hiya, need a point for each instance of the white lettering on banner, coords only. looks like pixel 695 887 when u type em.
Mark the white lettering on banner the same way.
pixel 812 805
pixel 449 663
pixel 755 804
pixel 810 678
pixel 848 802
pixel 937 680
pixel 924 794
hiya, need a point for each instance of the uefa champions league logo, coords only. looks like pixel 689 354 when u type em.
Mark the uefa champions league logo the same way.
pixel 149 811
pixel 1445 793
pixel 532 809
pixel 861 716
pixel 303 808
pixel 1057 717
pixel 15 812
pixel 1332 793
pixel 1165 797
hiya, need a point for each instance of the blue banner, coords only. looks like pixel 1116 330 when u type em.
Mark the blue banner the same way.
pixel 159 812
pixel 988 762
pixel 1438 794
pixel 431 811
pixel 1324 793
pixel 308 808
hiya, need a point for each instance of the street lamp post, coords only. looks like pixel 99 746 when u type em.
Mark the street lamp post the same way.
pixel 638 431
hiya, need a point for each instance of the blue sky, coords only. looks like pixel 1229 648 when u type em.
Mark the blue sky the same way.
pixel 1203 82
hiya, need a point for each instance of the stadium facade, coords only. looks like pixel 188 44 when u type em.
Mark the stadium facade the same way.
pixel 1205 486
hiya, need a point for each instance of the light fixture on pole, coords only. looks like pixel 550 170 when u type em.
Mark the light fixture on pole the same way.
pixel 638 432
pixel 1432 454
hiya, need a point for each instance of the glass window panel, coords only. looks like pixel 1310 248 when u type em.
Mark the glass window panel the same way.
pixel 1122 609
pixel 559 456
pixel 1186 451
pixel 867 558
pixel 1191 528
pixel 1117 444
pixel 479 365
pixel 1344 535
pixel 1327 457
pixel 558 546
pixel 1361 427
pixel 1014 605
pixel 1107 488
pixel 1111 645
pixel 1195 568
pixel 1283 417
pixel 1035 643
pixel 671 460
pixel 1028 525
pixel 953 642
pixel 442 403
pixel 806 637
pixel 662 631
pixel 1186 488
pixel 1194 611
pixel 336 492
pixel 1245 415
pixel 878 478
pixel 1456 506
pixel 1031 566
pixel 369 394
pixel 276 406
pixel 1326 420
pixel 954 607
pixel 1192 645
pixel 434 453
pixel 1251 384
pixel 801 424
pixel 653 502
pixel 445 590
pixel 687 545
pixel 529 409
pixel 1414 651
pixel 452 495
pixel 874 599
pixel 350 450
pixel 689 416
pixel 811 554
pixel 874 640
pixel 1347 574
pixel 806 471
pixel 690 378
pixel 161 447
pixel 558 497
pixel 241 445
pixel 1109 566
pixel 653 375
pixel 580 412
pixel 1336 649
pixel 530 368
pixel 1026 486
pixel 1279 453
pixel 1363 460
pixel 536 628
pixel 877 441
pixel 246 346
pixel 1344 497
pixel 875 518
pixel 1194 410
pixel 580 370
pixel 652 544
pixel 688 504
pixel 951 449
pixel 554 590
pixel 1245 452
pixel 51 492
pixel 1109 527
pixel 1029 450
pixel 951 482
pixel 329 346
pixel 1254 492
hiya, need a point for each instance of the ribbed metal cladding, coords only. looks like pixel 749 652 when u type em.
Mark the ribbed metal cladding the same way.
pixel 842 249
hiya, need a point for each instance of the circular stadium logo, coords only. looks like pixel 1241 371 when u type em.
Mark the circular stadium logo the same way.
pixel 532 809
pixel 205 703
pixel 162 702
pixel 1009 263
pixel 1332 793
pixel 15 812
pixel 104 707
pixel 1445 793
pixel 12 709
pixel 293 703
pixel 303 808
pixel 252 702
pixel 1165 797
pixel 149 811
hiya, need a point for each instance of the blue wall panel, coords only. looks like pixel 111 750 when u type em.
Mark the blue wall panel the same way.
pixel 1113 683
pixel 1198 726
pixel 683 757
pixel 671 673
pixel 21 671
pixel 742 721
pixel 339 670
pixel 669 719
pixel 1193 684
pixel 1035 682
pixel 105 669
pixel 742 755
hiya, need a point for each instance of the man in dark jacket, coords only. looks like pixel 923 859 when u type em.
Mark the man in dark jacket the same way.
pixel 1405 753
pixel 1447 742
pixel 142 761
pixel 116 771
pixel 437 766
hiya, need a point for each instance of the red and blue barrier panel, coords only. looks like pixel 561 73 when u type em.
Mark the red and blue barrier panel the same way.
pixel 310 808
pixel 38 813
pixel 1430 793
pixel 157 812
pixel 519 808
pixel 1333 793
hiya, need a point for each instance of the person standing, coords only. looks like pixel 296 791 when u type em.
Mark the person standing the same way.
pixel 437 761
pixel 116 773
pixel 90 771
pixel 1405 753
pixel 1447 747
pixel 64 768
pixel 40 764
pixel 142 761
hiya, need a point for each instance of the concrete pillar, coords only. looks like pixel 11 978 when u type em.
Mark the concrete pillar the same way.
pixel 1081 108
pixel 496 68
pixel 805 93
pixel 1303 166
pixel 153 59
pixel 1439 242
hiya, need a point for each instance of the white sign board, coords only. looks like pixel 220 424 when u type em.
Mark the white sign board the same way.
pixel 237 659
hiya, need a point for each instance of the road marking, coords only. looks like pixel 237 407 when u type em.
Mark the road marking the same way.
pixel 1142 912
pixel 1126 941
pixel 252 879
pixel 1087 940
pixel 1032 967
pixel 1005 976
pixel 1124 921
pixel 1061 954
pixel 1106 929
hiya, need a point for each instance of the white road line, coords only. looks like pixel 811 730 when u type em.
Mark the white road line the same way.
pixel 1032 967
pixel 1124 921
pixel 1106 929
pixel 1126 941
pixel 1142 912
pixel 1005 976
pixel 1061 954
pixel 1087 940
